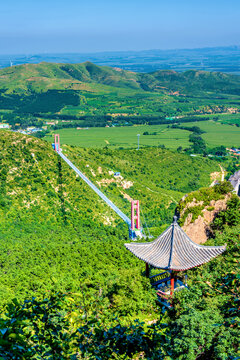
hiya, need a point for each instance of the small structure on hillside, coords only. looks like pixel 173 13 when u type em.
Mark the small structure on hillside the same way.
pixel 172 251
pixel 235 181
pixel 56 144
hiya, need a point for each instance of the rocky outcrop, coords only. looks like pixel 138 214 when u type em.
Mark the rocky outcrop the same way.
pixel 199 230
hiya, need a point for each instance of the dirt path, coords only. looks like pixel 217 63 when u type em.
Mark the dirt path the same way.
pixel 216 174
pixel 222 171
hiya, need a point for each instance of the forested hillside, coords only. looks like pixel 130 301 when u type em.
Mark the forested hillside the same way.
pixel 62 246
pixel 36 186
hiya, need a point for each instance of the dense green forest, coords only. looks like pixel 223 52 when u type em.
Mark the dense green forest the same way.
pixel 90 95
pixel 70 290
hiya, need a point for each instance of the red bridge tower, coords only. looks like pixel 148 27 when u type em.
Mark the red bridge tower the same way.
pixel 135 208
pixel 56 142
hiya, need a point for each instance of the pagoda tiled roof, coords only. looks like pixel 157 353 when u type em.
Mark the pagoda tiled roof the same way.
pixel 235 178
pixel 174 250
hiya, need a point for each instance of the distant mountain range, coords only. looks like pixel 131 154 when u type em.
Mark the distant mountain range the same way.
pixel 223 59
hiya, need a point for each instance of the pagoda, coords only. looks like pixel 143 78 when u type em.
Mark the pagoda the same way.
pixel 172 251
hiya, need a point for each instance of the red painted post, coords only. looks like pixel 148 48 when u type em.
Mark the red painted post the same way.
pixel 172 284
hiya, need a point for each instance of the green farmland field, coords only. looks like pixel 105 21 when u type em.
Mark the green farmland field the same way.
pixel 216 134
pixel 229 118
pixel 125 137
pixel 219 134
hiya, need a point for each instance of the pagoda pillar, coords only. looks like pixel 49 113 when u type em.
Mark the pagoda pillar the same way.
pixel 147 270
pixel 172 283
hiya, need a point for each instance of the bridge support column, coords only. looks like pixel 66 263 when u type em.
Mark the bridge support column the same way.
pixel 135 207
pixel 57 142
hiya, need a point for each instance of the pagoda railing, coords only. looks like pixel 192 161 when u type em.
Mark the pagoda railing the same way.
pixel 159 278
pixel 162 283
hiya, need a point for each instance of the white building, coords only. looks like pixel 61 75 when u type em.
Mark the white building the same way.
pixel 4 126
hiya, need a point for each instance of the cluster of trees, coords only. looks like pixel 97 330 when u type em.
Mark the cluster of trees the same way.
pixel 198 144
pixel 44 102
pixel 218 151
pixel 148 133
pixel 22 121
pixel 36 116
pixel 199 147
pixel 158 120
pixel 195 129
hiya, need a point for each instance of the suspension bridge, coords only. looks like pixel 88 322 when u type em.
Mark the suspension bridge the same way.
pixel 135 229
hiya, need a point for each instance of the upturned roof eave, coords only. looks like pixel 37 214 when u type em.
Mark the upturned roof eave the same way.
pixel 136 249
pixel 173 268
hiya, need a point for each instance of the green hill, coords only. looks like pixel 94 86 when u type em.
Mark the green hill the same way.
pixel 94 95
pixel 38 188
pixel 45 76
pixel 198 81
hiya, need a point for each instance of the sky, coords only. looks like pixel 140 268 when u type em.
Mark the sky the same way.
pixel 48 26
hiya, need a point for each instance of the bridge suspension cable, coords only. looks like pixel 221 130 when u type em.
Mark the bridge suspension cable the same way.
pixel 97 191
pixel 134 229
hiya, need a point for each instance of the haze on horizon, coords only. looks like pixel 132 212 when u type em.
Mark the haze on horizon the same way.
pixel 76 26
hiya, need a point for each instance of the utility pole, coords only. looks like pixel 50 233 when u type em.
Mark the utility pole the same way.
pixel 138 135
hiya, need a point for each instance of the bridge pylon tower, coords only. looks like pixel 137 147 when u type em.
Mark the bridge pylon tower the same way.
pixel 57 142
pixel 135 219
